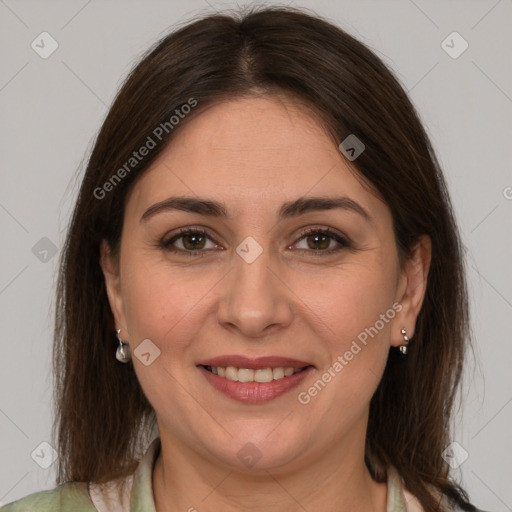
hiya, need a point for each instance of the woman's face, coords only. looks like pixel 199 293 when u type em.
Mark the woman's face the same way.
pixel 253 284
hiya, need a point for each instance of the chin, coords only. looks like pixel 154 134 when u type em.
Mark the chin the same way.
pixel 265 450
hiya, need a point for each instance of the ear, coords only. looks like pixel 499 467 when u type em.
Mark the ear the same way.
pixel 412 285
pixel 111 273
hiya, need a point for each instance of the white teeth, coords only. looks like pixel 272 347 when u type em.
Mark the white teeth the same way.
pixel 278 373
pixel 264 375
pixel 231 373
pixel 245 375
pixel 250 375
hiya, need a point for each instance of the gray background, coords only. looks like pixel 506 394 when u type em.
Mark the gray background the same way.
pixel 52 108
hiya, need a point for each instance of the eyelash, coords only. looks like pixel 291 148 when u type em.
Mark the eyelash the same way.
pixel 341 240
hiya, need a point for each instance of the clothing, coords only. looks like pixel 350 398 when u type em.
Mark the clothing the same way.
pixel 138 496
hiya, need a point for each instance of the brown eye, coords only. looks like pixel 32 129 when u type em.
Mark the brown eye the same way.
pixel 318 241
pixel 322 241
pixel 190 242
pixel 193 241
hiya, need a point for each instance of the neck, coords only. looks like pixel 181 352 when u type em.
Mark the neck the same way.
pixel 336 481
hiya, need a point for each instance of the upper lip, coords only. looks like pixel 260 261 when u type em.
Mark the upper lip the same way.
pixel 239 361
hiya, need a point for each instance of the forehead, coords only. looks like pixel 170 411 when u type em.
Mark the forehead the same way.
pixel 251 137
pixel 257 150
pixel 252 122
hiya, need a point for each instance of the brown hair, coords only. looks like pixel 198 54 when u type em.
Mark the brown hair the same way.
pixel 103 419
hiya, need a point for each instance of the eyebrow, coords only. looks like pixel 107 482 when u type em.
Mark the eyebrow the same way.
pixel 295 208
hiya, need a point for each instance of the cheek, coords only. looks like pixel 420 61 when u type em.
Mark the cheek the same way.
pixel 352 310
pixel 351 300
pixel 163 304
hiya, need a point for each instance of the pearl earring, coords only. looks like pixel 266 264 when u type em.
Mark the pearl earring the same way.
pixel 123 354
pixel 403 347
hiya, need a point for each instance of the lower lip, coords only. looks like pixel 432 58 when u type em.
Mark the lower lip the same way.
pixel 255 392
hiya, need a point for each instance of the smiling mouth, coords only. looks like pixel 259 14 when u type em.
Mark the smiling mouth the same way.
pixel 261 375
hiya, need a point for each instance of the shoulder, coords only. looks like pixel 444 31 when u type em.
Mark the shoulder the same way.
pixel 115 495
pixel 68 497
pixel 401 500
pixel 458 509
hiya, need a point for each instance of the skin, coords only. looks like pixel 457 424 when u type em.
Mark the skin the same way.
pixel 254 154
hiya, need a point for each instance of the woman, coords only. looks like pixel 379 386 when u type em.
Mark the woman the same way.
pixel 262 263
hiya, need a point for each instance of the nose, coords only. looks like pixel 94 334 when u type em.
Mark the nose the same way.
pixel 254 300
